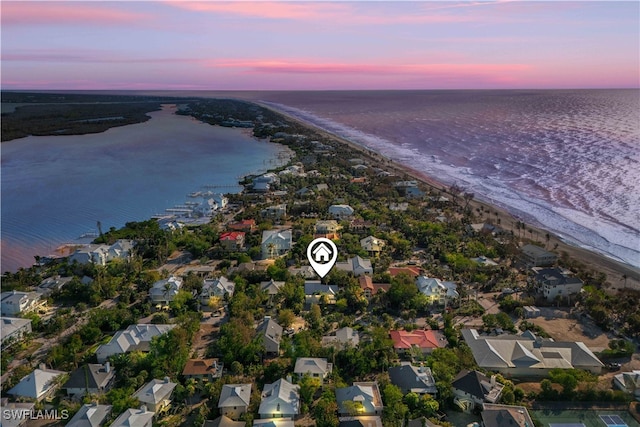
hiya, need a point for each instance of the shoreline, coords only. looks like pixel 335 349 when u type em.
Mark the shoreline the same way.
pixel 614 269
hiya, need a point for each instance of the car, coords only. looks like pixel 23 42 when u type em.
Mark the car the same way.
pixel 613 366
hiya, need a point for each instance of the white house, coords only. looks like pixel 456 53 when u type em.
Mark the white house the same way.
pixel 164 291
pixel 37 385
pixel 472 388
pixel 436 291
pixel 90 254
pixel 342 338
pixel 362 398
pixel 373 245
pixel 218 287
pixel 90 415
pixel 135 418
pixel 328 226
pixel 13 329
pixel 555 282
pixel 234 400
pixel 135 337
pixel 280 399
pixel 315 367
pixel 356 266
pixel 275 243
pixel 121 249
pixel 16 302
pixel 628 382
pixel 535 256
pixel 340 212
pixel 275 211
pixel 156 394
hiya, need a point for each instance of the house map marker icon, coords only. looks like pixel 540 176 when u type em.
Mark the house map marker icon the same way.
pixel 322 254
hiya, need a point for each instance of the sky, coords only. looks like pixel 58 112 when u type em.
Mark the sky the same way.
pixel 351 45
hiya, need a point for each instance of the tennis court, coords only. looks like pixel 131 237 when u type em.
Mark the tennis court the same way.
pixel 574 418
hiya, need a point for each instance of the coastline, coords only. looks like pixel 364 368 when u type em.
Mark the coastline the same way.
pixel 615 270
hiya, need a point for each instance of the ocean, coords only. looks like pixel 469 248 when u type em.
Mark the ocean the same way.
pixel 567 160
pixel 56 188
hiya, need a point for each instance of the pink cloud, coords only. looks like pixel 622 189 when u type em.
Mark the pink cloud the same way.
pixel 44 13
pixel 89 56
pixel 328 12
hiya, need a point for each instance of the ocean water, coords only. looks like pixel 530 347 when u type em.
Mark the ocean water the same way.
pixel 568 160
pixel 56 188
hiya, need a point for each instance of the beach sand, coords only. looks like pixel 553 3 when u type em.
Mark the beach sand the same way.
pixel 614 270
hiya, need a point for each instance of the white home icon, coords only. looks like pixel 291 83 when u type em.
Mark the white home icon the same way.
pixel 322 253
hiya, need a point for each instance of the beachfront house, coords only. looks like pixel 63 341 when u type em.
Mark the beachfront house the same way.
pixel 555 283
pixel 275 243
pixel 535 256
pixel 15 302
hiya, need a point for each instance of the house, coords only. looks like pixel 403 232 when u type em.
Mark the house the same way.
pixel 341 212
pixel 629 382
pixel 531 312
pixel 399 207
pixel 436 291
pixel 321 187
pixel 505 415
pixel 275 211
pixel 316 293
pixel 413 379
pixel 246 225
pixel 305 271
pixel 51 284
pixel 373 245
pixel 156 394
pixel 361 421
pixel 315 367
pixel 223 421
pixel 369 288
pixel 409 189
pixel 134 418
pixel 526 355
pixel 273 422
pixel 164 291
pixel 220 287
pixel 342 338
pixel 484 261
pixel 359 225
pixel 234 400
pixel 16 302
pixel 90 254
pixel 121 249
pixel 90 415
pixel 203 369
pixel 272 287
pixel 19 412
pixel 232 240
pixel 472 388
pixel 362 398
pixel 13 329
pixel 327 228
pixel 535 256
pixel 305 192
pixel 135 337
pixel 422 340
pixel 275 243
pixel 280 399
pixel 410 271
pixel 37 385
pixel 556 282
pixel 90 379
pixel 271 334
pixel 356 266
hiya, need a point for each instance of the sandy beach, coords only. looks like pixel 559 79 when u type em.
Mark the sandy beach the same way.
pixel 614 270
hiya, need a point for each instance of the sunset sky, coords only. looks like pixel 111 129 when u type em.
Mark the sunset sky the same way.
pixel 319 45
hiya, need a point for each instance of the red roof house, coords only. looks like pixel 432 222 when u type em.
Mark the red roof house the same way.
pixel 411 271
pixel 425 340
pixel 232 240
pixel 247 225
pixel 370 288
